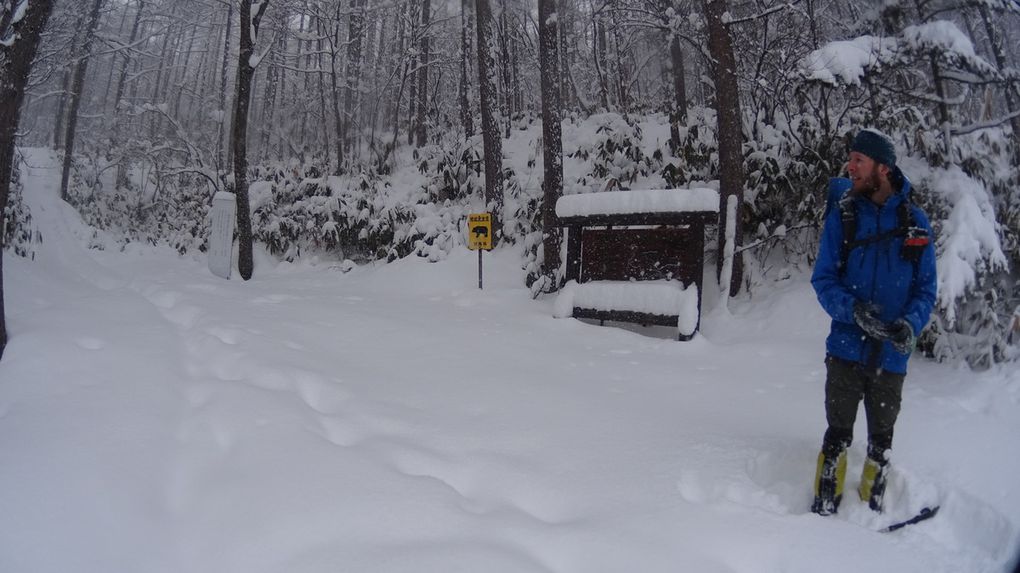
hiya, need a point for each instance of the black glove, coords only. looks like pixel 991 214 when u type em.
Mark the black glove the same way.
pixel 901 335
pixel 866 317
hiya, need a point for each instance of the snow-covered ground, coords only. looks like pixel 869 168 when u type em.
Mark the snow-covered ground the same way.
pixel 156 418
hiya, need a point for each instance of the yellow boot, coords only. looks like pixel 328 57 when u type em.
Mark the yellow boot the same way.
pixel 872 488
pixel 829 478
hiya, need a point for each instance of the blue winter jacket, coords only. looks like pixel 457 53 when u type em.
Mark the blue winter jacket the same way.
pixel 877 273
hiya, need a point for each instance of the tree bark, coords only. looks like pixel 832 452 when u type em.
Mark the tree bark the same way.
pixel 182 71
pixel 678 115
pixel 113 60
pixel 945 116
pixel 505 68
pixel 599 54
pixel 564 25
pixel 222 108
pixel 491 142
pixel 412 68
pixel 465 50
pixel 355 37
pixel 15 66
pixel 273 74
pixel 421 134
pixel 58 120
pixel 999 52
pixel 321 33
pixel 617 65
pixel 249 27
pixel 77 84
pixel 731 157
pixel 552 150
pixel 338 118
pixel 127 57
pixel 156 92
pixel 117 118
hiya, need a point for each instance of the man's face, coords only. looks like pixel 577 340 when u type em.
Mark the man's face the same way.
pixel 865 173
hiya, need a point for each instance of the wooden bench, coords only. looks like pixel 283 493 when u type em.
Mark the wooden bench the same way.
pixel 626 245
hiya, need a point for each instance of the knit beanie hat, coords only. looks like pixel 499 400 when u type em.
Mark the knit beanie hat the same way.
pixel 875 146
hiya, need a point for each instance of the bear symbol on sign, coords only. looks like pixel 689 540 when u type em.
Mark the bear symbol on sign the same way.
pixel 480 231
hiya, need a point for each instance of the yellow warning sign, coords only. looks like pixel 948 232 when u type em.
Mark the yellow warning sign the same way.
pixel 480 231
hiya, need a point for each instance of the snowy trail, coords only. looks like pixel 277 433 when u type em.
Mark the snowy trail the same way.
pixel 83 344
pixel 156 418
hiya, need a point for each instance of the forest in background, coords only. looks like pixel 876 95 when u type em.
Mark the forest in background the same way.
pixel 374 127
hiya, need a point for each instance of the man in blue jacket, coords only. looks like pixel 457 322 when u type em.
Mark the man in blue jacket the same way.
pixel 875 277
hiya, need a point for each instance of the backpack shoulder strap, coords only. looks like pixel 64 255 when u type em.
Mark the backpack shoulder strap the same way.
pixel 905 214
pixel 848 217
pixel 915 238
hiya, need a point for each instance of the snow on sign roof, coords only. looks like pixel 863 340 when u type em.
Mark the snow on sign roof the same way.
pixel 628 202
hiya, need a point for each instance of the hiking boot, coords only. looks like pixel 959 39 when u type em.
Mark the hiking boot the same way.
pixel 829 478
pixel 872 488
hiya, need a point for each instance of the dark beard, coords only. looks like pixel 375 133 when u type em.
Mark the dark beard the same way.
pixel 871 185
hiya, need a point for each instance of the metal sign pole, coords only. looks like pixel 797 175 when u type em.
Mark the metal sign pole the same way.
pixel 479 269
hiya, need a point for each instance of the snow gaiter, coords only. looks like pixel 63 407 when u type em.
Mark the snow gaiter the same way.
pixel 873 477
pixel 829 478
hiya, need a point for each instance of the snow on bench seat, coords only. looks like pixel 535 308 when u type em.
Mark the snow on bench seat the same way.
pixel 665 302
pixel 629 202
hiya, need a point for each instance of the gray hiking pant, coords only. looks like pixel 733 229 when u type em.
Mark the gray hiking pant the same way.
pixel 846 383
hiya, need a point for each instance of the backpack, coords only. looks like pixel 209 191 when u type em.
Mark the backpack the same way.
pixel 916 238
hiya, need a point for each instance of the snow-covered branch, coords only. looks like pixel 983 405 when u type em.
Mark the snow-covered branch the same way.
pixel 763 14
pixel 990 124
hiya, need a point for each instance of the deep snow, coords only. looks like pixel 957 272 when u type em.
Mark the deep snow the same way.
pixel 156 418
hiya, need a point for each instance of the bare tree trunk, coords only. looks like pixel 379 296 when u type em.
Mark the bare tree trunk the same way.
pixel 16 61
pixel 202 82
pixel 413 63
pixel 156 90
pixel 731 157
pixel 552 150
pixel 321 32
pixel 58 120
pixel 122 166
pixel 304 52
pixel 517 101
pixel 356 31
pixel 400 61
pixel 182 72
pixel 617 68
pixel 222 108
pixel 421 134
pixel 337 115
pixel 995 39
pixel 465 50
pixel 564 23
pixel 945 118
pixel 504 68
pixel 132 87
pixel 76 89
pixel 249 28
pixel 113 59
pixel 599 54
pixel 273 73
pixel 491 141
pixel 127 57
pixel 678 111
